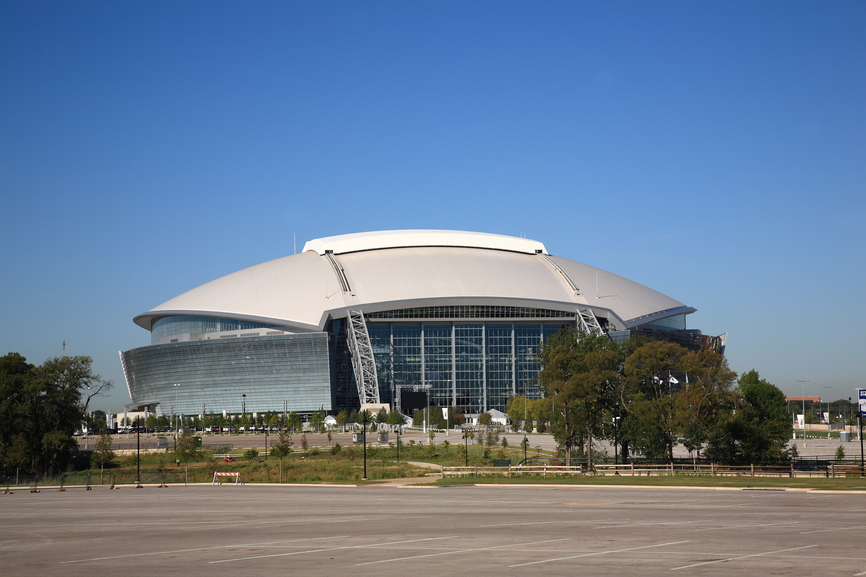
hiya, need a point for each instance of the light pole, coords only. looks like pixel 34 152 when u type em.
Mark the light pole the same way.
pixel 525 440
pixel 176 388
pixel 466 440
pixel 803 399
pixel 364 438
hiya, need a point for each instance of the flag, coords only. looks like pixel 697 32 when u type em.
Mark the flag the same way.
pixel 673 381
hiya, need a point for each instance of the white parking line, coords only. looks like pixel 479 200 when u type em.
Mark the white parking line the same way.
pixel 372 545
pixel 599 553
pixel 459 551
pixel 833 529
pixel 748 526
pixel 541 523
pixel 172 551
pixel 742 557
pixel 603 526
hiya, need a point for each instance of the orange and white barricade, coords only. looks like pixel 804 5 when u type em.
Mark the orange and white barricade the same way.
pixel 219 477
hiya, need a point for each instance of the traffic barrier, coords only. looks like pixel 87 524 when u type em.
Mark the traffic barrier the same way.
pixel 218 477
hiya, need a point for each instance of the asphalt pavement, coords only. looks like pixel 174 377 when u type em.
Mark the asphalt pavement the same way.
pixel 204 530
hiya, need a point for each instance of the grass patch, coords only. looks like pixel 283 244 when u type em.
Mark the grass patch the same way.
pixel 820 483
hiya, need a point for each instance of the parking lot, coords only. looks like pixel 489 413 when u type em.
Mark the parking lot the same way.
pixel 329 530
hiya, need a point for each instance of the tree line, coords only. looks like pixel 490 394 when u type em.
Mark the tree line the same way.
pixel 647 396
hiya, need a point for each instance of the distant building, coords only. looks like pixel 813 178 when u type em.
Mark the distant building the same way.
pixel 401 318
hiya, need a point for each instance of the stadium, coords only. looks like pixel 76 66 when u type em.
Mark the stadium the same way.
pixel 383 318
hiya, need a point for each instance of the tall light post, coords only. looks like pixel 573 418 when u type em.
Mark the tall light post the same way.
pixel 174 424
pixel 466 440
pixel 525 440
pixel 828 415
pixel 364 438
pixel 803 399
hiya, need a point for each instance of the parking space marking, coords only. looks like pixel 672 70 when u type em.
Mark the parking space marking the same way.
pixel 460 551
pixel 749 526
pixel 372 545
pixel 742 557
pixel 605 526
pixel 598 553
pixel 541 523
pixel 833 529
pixel 170 552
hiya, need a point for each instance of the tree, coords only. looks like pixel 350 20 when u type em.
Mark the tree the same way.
pixel 103 453
pixel 187 447
pixel 705 398
pixel 396 418
pixel 40 409
pixel 517 409
pixel 758 431
pixel 317 420
pixel 650 419
pixel 293 422
pixel 342 419
pixel 382 416
pixel 579 371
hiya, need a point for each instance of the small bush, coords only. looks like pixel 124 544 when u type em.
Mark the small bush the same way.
pixel 251 455
pixel 335 450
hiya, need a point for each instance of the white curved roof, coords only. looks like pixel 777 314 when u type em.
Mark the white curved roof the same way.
pixel 407 269
pixel 408 238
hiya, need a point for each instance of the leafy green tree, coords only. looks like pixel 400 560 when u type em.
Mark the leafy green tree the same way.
pixel 579 371
pixel 395 417
pixel 758 432
pixel 103 453
pixel 187 447
pixel 317 420
pixel 382 416
pixel 40 409
pixel 342 419
pixel 651 419
pixel 517 409
pixel 704 399
pixel 293 422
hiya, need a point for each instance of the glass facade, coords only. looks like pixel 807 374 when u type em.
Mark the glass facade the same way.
pixel 214 374
pixel 473 366
pixel 180 325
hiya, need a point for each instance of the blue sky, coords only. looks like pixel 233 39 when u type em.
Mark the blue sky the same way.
pixel 714 151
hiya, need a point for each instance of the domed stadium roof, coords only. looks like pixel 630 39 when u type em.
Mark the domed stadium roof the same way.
pixel 380 271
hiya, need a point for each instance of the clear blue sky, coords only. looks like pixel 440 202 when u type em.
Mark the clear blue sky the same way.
pixel 714 151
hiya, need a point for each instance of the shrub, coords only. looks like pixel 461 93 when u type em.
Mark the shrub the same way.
pixel 335 450
pixel 251 455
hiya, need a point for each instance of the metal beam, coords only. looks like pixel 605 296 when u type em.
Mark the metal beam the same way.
pixel 363 361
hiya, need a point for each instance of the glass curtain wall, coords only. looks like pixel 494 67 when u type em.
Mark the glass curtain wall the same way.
pixel 474 366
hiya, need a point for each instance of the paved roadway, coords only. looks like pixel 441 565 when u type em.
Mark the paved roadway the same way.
pixel 314 531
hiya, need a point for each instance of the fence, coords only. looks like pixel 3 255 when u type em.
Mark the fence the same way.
pixel 83 480
pixel 671 469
